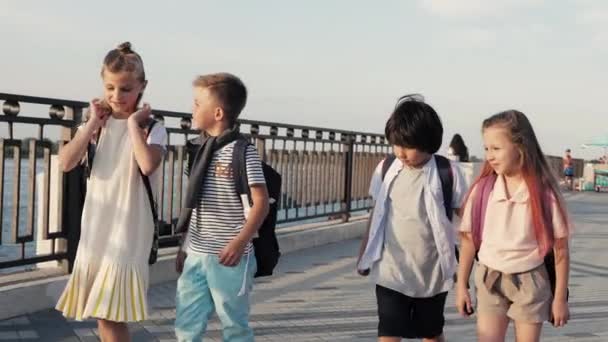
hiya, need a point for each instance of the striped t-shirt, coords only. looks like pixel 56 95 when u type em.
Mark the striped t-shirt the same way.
pixel 219 216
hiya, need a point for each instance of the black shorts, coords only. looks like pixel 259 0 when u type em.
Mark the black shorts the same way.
pixel 407 317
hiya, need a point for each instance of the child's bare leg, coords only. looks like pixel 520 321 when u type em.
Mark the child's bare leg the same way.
pixel 527 332
pixel 572 183
pixel 398 339
pixel 434 339
pixel 492 327
pixel 113 331
pixel 389 339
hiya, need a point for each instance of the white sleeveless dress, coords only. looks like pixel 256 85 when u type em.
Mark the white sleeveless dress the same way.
pixel 110 275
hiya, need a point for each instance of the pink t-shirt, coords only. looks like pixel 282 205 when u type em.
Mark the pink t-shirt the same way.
pixel 508 241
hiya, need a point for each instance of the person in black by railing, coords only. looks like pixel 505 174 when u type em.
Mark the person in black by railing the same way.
pixel 458 151
pixel 109 280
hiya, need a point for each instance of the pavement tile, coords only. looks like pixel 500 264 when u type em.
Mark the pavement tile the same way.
pixel 316 296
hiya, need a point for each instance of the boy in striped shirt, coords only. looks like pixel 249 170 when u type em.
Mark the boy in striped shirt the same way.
pixel 216 262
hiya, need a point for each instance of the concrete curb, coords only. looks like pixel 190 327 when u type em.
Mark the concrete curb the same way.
pixel 35 295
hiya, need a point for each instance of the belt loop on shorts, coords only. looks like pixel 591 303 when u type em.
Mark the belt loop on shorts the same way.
pixel 491 277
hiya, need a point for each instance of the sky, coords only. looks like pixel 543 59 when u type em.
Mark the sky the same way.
pixel 339 64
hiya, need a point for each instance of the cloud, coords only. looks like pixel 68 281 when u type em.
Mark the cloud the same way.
pixel 32 22
pixel 471 37
pixel 593 17
pixel 476 8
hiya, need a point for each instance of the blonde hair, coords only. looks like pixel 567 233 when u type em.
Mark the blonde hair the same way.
pixel 228 90
pixel 123 58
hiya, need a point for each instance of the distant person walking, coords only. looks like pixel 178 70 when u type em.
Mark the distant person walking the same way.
pixel 569 170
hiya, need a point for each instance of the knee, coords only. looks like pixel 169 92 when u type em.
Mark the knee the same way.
pixel 105 324
pixel 189 330
pixel 487 335
pixel 439 338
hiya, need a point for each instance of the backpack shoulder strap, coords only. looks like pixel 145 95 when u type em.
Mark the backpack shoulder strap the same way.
pixel 150 195
pixel 446 175
pixel 388 161
pixel 479 205
pixel 239 167
pixel 97 135
pixel 150 125
pixel 146 180
pixel 91 149
pixel 191 148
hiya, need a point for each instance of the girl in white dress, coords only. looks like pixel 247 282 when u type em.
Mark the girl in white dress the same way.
pixel 109 280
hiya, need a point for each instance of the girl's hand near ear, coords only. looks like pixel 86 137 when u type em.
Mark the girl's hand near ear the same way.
pixel 100 112
pixel 141 116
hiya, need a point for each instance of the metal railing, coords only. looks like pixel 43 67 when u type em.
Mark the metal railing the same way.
pixel 325 172
pixel 25 202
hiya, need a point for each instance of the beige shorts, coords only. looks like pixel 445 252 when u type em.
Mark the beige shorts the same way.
pixel 523 297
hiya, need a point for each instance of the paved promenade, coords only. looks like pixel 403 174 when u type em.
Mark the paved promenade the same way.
pixel 316 296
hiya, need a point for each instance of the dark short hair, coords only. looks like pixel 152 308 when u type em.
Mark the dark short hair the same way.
pixel 415 124
pixel 228 90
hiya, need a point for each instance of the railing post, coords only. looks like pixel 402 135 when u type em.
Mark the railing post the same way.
pixel 258 142
pixel 260 145
pixel 75 114
pixel 348 141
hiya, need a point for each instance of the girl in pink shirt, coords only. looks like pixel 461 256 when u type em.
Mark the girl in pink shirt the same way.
pixel 515 219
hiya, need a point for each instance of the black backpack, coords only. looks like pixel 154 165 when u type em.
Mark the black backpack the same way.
pixel 266 245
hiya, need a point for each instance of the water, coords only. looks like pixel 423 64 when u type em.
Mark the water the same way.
pixel 8 249
pixel 8 204
pixel 12 251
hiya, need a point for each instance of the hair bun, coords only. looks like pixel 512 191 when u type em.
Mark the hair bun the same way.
pixel 125 47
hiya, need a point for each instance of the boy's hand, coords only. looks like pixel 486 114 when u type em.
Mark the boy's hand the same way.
pixel 179 261
pixel 463 302
pixel 363 273
pixel 560 314
pixel 232 253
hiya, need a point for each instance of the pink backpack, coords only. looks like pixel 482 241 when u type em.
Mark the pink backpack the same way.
pixel 480 204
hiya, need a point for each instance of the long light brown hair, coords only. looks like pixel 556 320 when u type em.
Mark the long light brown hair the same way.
pixel 538 176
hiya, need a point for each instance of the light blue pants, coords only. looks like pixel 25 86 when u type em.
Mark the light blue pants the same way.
pixel 206 286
